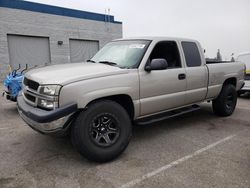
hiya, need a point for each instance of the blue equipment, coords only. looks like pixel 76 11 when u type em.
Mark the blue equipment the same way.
pixel 13 84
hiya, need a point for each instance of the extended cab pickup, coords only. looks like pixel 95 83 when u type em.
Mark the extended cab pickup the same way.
pixel 136 80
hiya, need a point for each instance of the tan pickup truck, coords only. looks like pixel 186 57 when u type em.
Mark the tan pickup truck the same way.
pixel 136 80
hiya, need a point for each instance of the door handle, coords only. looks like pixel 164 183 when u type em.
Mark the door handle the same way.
pixel 181 76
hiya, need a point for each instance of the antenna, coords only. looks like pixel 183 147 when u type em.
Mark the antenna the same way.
pixel 109 15
pixel 105 16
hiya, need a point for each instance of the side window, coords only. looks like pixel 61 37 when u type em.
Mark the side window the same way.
pixel 192 54
pixel 167 50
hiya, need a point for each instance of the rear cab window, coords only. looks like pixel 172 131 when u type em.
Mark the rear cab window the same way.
pixel 191 53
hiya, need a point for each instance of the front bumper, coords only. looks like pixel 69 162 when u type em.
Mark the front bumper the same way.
pixel 48 122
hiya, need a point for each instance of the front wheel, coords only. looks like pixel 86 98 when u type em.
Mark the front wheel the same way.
pixel 225 103
pixel 102 132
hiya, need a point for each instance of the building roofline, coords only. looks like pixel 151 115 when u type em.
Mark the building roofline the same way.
pixel 49 9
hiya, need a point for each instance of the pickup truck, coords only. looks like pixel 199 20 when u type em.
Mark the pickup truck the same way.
pixel 135 80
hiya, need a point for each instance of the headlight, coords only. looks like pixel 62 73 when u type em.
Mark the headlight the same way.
pixel 47 104
pixel 50 96
pixel 50 89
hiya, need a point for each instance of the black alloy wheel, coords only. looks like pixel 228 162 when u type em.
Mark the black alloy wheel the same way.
pixel 225 103
pixel 104 130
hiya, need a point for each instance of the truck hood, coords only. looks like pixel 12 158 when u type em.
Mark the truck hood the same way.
pixel 67 73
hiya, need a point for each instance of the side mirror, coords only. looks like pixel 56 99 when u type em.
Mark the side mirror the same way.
pixel 156 64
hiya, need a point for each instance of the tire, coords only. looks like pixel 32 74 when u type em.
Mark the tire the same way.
pixel 225 103
pixel 102 132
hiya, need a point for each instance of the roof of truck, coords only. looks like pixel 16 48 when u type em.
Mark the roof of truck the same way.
pixel 158 38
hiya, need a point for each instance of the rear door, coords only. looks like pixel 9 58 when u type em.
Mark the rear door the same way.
pixel 196 71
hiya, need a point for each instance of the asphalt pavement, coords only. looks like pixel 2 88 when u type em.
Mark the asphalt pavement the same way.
pixel 194 150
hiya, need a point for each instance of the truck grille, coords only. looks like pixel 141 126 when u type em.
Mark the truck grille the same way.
pixel 30 91
pixel 31 84
pixel 30 97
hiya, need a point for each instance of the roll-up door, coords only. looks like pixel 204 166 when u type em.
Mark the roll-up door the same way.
pixel 82 50
pixel 28 50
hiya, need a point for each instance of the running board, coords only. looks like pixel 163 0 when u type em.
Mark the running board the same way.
pixel 166 115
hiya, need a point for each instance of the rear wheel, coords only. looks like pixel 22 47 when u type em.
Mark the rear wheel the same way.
pixel 102 132
pixel 225 103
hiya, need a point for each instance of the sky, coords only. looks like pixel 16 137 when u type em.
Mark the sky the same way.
pixel 217 24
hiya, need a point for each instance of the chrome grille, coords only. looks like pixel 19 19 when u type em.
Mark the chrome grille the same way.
pixel 30 97
pixel 32 94
pixel 30 91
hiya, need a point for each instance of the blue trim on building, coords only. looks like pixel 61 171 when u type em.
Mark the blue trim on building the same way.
pixel 42 8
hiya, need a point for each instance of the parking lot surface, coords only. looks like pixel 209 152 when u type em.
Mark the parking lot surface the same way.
pixel 194 150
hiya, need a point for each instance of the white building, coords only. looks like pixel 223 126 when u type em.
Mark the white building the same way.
pixel 35 34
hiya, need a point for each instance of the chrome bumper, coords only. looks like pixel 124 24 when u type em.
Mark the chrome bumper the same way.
pixel 59 125
pixel 46 122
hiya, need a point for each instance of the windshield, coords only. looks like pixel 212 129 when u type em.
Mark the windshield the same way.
pixel 124 54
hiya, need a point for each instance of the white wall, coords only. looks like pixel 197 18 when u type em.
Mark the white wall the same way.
pixel 57 28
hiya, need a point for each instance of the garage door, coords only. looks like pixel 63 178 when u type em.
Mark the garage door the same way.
pixel 28 50
pixel 82 50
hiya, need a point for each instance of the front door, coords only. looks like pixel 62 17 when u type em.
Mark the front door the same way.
pixel 161 90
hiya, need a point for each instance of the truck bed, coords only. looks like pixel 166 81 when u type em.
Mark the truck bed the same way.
pixel 218 72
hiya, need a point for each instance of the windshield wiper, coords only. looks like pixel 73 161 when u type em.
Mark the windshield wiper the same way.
pixel 108 63
pixel 92 61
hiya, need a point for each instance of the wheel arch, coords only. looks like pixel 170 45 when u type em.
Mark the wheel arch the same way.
pixel 123 99
pixel 232 80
